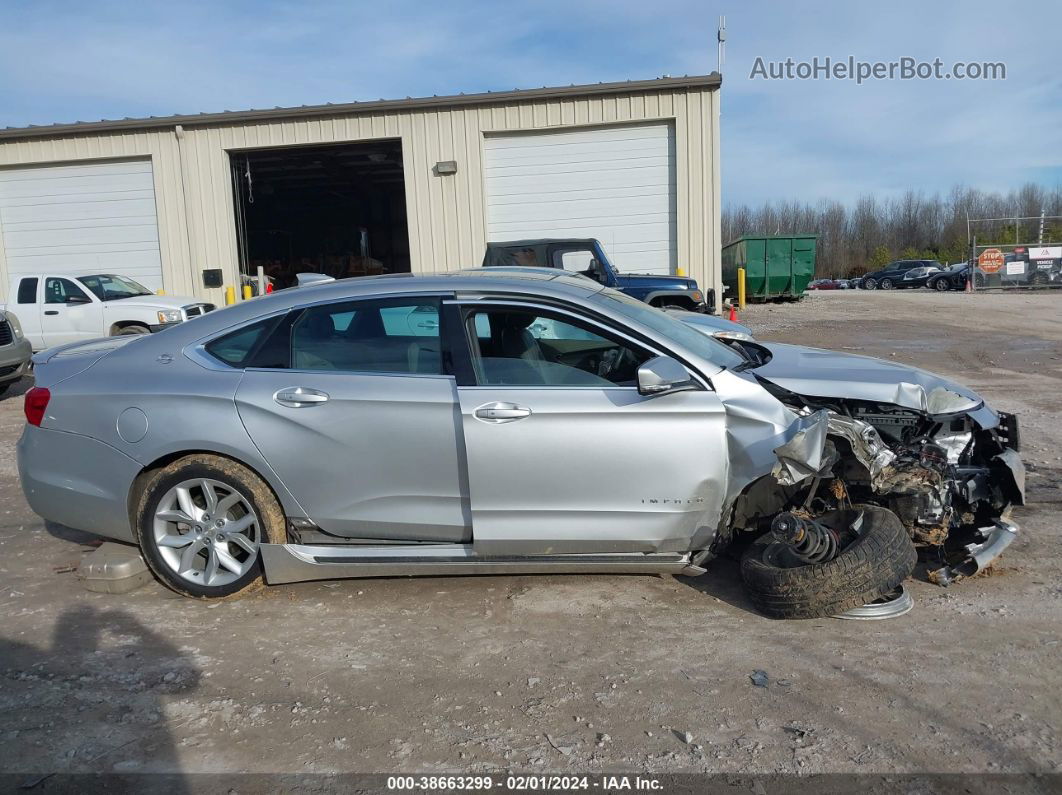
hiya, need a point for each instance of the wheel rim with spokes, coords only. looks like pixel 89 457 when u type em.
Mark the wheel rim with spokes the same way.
pixel 206 532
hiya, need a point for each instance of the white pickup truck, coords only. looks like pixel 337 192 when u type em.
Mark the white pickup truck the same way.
pixel 54 309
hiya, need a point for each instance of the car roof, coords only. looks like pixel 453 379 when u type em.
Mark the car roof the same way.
pixel 540 241
pixel 516 280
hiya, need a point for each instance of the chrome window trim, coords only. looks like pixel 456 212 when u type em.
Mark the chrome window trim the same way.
pixel 343 372
pixel 196 350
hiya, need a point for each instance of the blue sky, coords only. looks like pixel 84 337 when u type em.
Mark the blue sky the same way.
pixel 65 61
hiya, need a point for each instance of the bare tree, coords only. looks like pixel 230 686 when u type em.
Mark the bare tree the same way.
pixel 855 239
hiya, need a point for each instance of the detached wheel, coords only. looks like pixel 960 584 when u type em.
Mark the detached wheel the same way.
pixel 200 522
pixel 875 562
pixel 886 284
pixel 870 284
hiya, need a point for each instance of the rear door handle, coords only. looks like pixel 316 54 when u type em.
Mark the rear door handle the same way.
pixel 298 397
pixel 501 412
pixel 51 311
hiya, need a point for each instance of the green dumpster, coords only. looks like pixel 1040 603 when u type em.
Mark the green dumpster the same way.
pixel 776 267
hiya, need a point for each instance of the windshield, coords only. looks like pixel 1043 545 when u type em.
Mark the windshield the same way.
pixel 689 338
pixel 108 287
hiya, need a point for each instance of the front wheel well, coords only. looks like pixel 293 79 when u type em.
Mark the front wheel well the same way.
pixel 124 324
pixel 136 490
pixel 683 301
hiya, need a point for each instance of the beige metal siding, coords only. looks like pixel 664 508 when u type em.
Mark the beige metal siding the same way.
pixel 446 214
pixel 161 147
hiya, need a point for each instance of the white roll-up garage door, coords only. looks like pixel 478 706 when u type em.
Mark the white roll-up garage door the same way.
pixel 613 183
pixel 81 218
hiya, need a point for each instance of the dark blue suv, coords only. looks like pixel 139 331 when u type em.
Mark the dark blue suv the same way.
pixel 587 257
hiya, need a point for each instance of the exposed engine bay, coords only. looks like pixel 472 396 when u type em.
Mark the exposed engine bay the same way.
pixel 950 477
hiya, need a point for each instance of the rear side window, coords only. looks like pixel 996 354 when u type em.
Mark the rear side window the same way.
pixel 27 290
pixel 534 256
pixel 369 336
pixel 237 347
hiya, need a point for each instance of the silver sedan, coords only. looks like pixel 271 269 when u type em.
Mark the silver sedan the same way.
pixel 476 422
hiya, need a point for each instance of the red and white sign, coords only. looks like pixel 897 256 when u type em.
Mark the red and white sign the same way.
pixel 991 260
pixel 1046 252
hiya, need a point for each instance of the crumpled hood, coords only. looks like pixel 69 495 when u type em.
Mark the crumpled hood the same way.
pixel 827 374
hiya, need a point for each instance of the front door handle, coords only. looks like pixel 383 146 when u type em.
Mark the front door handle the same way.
pixel 502 412
pixel 298 397
pixel 51 311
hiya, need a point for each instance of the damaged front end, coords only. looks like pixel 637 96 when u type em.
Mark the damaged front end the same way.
pixel 949 469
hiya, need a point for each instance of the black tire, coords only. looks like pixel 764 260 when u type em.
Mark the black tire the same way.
pixel 136 328
pixel 941 285
pixel 886 284
pixel 878 560
pixel 272 525
pixel 1039 278
pixel 870 284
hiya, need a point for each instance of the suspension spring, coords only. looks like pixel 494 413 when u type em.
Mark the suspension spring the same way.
pixel 808 540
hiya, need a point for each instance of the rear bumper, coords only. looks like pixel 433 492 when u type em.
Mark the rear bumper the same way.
pixel 77 481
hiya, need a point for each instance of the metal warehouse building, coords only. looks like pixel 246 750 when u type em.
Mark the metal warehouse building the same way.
pixel 188 203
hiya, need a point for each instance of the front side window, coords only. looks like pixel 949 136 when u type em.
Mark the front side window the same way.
pixel 63 291
pixel 575 260
pixel 368 336
pixel 530 347
pixel 578 259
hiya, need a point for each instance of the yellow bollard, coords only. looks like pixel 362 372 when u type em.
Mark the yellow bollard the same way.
pixel 160 291
pixel 680 271
pixel 247 292
pixel 741 288
pixel 230 295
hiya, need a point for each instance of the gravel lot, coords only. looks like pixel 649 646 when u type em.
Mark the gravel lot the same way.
pixel 567 673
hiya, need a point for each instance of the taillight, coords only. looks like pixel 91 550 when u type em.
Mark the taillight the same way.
pixel 36 404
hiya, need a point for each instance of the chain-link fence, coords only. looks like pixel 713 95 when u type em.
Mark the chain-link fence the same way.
pixel 1014 265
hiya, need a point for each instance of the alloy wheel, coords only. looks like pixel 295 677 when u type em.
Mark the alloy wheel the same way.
pixel 206 532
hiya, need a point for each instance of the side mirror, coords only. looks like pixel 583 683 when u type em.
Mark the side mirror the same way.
pixel 78 299
pixel 596 271
pixel 663 374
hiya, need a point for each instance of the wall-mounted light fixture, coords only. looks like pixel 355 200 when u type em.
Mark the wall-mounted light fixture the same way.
pixel 444 167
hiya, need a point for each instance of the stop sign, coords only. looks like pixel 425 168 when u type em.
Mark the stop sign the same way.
pixel 991 260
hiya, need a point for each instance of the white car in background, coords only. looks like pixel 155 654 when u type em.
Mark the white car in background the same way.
pixel 55 309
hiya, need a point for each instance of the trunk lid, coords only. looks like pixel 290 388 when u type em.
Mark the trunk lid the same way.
pixel 63 361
